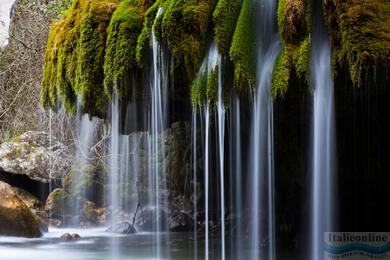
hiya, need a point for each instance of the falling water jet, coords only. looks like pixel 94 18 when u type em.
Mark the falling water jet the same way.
pixel 323 135
pixel 221 141
pixel 206 180
pixel 194 165
pixel 114 170
pixel 157 124
pixel 261 161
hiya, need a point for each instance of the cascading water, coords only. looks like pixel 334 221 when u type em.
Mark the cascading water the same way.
pixel 195 184
pixel 221 150
pixel 323 135
pixel 85 140
pixel 237 198
pixel 156 139
pixel 211 63
pixel 260 181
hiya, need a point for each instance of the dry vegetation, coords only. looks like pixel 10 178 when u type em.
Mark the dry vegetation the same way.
pixel 21 65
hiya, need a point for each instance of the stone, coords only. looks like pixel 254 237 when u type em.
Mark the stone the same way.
pixel 5 20
pixel 148 218
pixel 16 219
pixel 35 155
pixel 68 236
pixel 30 200
pixel 58 203
pixel 123 227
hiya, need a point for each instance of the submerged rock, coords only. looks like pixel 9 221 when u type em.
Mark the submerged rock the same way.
pixel 16 219
pixel 122 228
pixel 68 236
pixel 35 155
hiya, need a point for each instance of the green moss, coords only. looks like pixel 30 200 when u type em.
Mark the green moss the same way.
pixel 294 22
pixel 144 40
pixel 89 73
pixel 184 26
pixel 60 197
pixel 225 18
pixel 301 58
pixel 199 87
pixel 61 58
pixel 74 57
pixel 212 85
pixel 360 35
pixel 242 49
pixel 280 75
pixel 123 32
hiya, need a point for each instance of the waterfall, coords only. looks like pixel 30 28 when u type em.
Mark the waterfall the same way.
pixel 85 140
pixel 206 181
pixel 157 125
pixel 260 181
pixel 221 149
pixel 212 62
pixel 323 142
pixel 237 198
pixel 51 148
pixel 195 186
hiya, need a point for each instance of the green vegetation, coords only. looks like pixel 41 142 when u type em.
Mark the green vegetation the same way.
pixel 242 49
pixel 74 57
pixel 199 87
pixel 89 73
pixel 184 25
pixel 144 40
pixel 225 18
pixel 294 21
pixel 123 32
pixel 360 35
pixel 212 85
pixel 280 75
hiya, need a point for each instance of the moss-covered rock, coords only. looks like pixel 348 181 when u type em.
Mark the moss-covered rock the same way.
pixel 184 25
pixel 120 57
pixel 294 22
pixel 212 85
pixel 225 18
pixel 74 57
pixel 199 88
pixel 242 51
pixel 85 182
pixel 89 73
pixel 58 203
pixel 144 39
pixel 360 35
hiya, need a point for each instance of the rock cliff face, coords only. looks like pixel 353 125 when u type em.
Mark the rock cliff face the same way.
pixel 33 154
pixel 16 219
pixel 5 20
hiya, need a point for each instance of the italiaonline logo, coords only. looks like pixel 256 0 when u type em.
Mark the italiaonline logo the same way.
pixel 357 245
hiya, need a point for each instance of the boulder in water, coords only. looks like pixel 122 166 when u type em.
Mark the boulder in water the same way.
pixel 123 227
pixel 68 236
pixel 36 155
pixel 16 219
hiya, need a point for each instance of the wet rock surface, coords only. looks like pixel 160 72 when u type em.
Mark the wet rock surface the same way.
pixel 35 155
pixel 123 227
pixel 68 236
pixel 16 219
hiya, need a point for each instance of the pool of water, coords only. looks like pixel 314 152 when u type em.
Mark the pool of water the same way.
pixel 98 244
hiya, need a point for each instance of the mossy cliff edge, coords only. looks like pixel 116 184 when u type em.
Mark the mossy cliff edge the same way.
pixel 99 46
pixel 360 35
